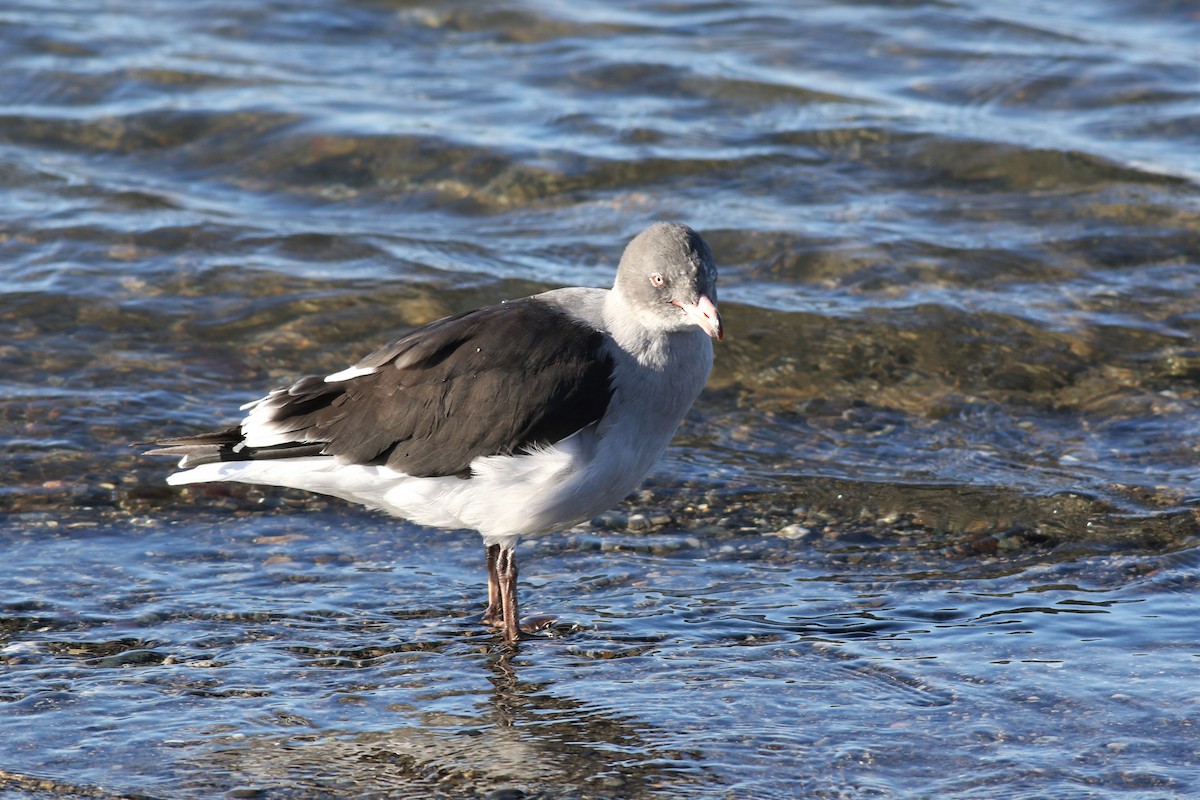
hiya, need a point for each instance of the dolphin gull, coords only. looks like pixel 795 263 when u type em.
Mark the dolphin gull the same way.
pixel 514 419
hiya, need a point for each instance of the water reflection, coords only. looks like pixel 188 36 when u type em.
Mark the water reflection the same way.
pixel 517 738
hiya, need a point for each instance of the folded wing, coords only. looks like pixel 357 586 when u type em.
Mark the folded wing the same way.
pixel 494 381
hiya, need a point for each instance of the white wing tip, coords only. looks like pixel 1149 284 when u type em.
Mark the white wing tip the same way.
pixel 348 373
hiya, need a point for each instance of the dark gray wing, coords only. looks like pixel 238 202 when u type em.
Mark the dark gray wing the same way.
pixel 493 381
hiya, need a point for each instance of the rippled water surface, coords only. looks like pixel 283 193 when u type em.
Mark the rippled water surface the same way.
pixel 931 531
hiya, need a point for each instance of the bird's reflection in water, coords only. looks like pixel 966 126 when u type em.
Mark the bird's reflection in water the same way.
pixel 528 740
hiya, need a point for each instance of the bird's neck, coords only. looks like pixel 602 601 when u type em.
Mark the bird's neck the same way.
pixel 653 346
pixel 634 334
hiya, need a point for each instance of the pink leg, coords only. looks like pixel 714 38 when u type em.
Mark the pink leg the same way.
pixel 506 570
pixel 494 615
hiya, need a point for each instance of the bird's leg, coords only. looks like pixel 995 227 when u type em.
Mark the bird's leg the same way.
pixel 507 573
pixel 495 613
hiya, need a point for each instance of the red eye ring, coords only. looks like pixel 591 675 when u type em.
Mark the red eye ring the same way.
pixel 656 279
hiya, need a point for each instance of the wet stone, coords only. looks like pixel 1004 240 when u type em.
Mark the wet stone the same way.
pixel 638 522
pixel 507 793
pixel 793 532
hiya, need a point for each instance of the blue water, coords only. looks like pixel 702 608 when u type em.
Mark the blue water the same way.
pixel 930 532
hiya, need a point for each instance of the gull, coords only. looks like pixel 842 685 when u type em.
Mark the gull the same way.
pixel 512 420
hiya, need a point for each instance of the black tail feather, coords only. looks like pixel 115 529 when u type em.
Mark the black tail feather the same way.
pixel 224 445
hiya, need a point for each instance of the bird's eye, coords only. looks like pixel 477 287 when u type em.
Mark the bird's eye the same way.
pixel 657 279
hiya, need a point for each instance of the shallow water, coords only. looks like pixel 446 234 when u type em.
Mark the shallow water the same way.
pixel 931 531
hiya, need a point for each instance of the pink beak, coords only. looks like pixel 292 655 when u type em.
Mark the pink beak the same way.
pixel 704 313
